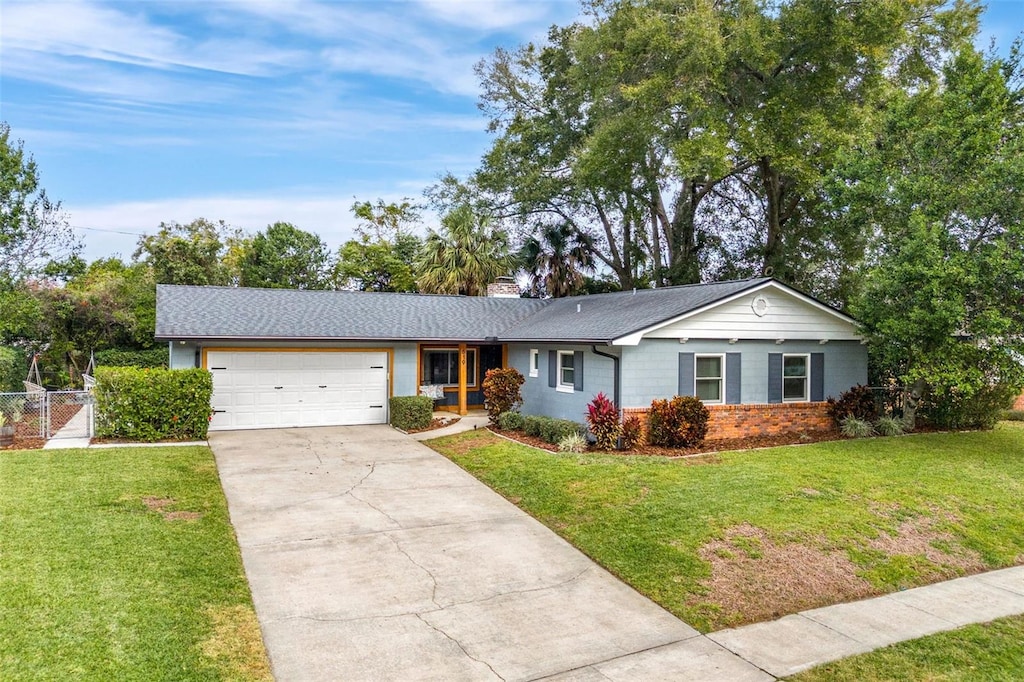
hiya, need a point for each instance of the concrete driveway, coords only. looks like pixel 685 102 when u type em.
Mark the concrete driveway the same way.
pixel 371 557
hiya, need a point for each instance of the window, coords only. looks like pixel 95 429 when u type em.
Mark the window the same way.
pixel 795 372
pixel 534 362
pixel 440 367
pixel 708 377
pixel 566 371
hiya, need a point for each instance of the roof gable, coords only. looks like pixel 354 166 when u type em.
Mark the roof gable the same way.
pixel 769 310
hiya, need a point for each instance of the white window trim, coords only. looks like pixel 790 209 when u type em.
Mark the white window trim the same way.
pixel 534 362
pixel 721 378
pixel 559 386
pixel 807 378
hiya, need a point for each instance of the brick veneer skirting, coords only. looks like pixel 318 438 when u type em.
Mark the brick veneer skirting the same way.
pixel 1019 403
pixel 742 421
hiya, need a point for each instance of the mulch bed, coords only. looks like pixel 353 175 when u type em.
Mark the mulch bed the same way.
pixel 437 423
pixel 720 445
pixel 26 432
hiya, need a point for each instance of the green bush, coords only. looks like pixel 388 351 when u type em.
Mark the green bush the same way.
pixel 510 421
pixel 967 406
pixel 153 358
pixel 858 401
pixel 501 391
pixel 153 404
pixel 888 425
pixel 410 412
pixel 1012 415
pixel 678 423
pixel 854 427
pixel 13 369
pixel 550 430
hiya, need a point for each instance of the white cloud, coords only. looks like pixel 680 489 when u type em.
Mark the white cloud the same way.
pixel 485 15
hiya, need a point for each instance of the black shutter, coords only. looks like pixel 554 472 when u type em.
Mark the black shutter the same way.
pixel 817 377
pixel 732 378
pixel 577 373
pixel 686 379
pixel 775 377
pixel 552 368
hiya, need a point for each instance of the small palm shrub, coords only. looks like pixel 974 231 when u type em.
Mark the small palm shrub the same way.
pixel 858 402
pixel 888 425
pixel 678 423
pixel 632 432
pixel 603 420
pixel 574 442
pixel 510 421
pixel 501 391
pixel 853 427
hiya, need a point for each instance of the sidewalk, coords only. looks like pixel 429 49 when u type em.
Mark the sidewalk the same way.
pixel 810 638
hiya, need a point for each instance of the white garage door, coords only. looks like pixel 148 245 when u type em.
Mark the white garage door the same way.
pixel 271 389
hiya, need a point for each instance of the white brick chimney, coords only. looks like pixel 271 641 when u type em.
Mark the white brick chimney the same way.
pixel 503 287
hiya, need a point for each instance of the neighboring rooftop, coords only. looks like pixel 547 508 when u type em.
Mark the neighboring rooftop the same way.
pixel 198 312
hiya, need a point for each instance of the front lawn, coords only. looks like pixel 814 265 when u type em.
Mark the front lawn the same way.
pixel 740 537
pixel 120 564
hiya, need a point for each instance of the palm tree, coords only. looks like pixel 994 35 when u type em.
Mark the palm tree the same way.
pixel 556 260
pixel 464 257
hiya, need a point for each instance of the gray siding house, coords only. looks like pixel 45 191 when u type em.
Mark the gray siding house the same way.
pixel 755 351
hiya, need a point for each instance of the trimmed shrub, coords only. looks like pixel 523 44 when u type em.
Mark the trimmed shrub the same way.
pixel 501 391
pixel 153 404
pixel 154 358
pixel 632 432
pixel 858 401
pixel 967 406
pixel 678 423
pixel 409 412
pixel 548 429
pixel 603 420
pixel 510 421
pixel 853 427
pixel 888 425
pixel 1012 415
pixel 574 442
pixel 13 369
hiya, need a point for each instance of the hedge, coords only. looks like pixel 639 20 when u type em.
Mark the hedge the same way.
pixel 116 357
pixel 13 369
pixel 549 429
pixel 409 412
pixel 153 404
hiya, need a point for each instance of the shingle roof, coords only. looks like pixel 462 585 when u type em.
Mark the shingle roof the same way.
pixel 184 312
pixel 604 317
pixel 196 312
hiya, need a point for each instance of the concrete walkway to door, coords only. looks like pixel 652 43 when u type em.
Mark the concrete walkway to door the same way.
pixel 371 557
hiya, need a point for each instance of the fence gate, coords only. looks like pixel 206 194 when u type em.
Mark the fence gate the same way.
pixel 69 414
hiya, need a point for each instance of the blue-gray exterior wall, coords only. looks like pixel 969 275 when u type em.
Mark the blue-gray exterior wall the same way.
pixel 541 399
pixel 650 370
pixel 404 381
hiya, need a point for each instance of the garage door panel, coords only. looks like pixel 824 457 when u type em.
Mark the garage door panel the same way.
pixel 316 388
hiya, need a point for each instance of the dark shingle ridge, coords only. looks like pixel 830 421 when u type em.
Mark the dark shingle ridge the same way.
pixel 224 312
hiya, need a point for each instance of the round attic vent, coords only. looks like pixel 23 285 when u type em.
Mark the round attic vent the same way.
pixel 759 305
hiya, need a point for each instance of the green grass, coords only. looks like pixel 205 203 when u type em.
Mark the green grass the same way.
pixel 990 651
pixel 646 519
pixel 96 584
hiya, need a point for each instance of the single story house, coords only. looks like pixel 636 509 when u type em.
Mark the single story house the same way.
pixel 763 356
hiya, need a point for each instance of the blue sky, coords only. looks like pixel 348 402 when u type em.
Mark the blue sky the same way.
pixel 255 111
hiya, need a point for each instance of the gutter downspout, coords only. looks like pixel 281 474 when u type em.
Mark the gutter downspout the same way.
pixel 615 374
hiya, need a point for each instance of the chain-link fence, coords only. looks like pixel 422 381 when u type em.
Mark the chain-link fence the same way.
pixel 22 416
pixel 69 414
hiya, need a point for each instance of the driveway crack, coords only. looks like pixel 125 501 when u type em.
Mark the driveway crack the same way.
pixel 433 579
pixel 459 644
